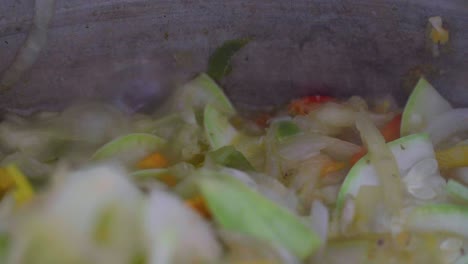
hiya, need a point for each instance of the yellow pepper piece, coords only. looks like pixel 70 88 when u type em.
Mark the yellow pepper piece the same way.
pixel 153 161
pixel 23 191
pixel 439 37
pixel 454 157
pixel 6 182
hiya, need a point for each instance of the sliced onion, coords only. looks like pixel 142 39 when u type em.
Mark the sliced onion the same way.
pixel 336 115
pixel 383 160
pixel 36 40
pixel 277 192
pixel 319 216
pixel 339 149
pixel 348 214
pixel 448 124
pixel 451 249
pixel 301 147
pixel 176 233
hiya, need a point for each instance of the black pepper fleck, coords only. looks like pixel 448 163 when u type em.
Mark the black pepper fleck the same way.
pixel 380 242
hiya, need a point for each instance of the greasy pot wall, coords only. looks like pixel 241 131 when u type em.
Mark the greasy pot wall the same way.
pixel 104 48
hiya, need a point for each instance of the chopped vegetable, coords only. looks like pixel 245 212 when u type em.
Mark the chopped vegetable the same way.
pixel 390 132
pixel 228 156
pixel 383 161
pixel 450 123
pixel 407 151
pixel 457 191
pixel 439 218
pixel 198 93
pixel 196 182
pixel 235 207
pixel 285 129
pixel 218 130
pixel 198 204
pixel 454 157
pixel 439 35
pixel 306 104
pixel 424 104
pixel 331 167
pixel 130 148
pixel 219 64
pixel 153 161
pixel 23 191
pixel 174 233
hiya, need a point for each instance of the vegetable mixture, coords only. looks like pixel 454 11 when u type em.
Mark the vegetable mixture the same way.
pixel 322 180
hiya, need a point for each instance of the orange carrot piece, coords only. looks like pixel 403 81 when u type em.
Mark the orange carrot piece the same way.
pixel 153 161
pixel 198 204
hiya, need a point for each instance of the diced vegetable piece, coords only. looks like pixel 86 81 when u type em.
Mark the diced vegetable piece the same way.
pixel 130 148
pixel 153 161
pixel 23 191
pixel 198 204
pixel 71 214
pixel 285 129
pixel 423 105
pixel 306 104
pixel 219 131
pixel 358 156
pixel 367 202
pixel 457 190
pixel 439 35
pixel 174 233
pixel 219 64
pixel 407 151
pixel 236 207
pixel 383 161
pixel 332 166
pixel 454 157
pixel 390 132
pixel 198 93
pixel 450 123
pixel 439 218
pixel 12 179
pixel 228 156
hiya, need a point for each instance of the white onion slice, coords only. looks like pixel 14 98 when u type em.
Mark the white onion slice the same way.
pixel 301 147
pixel 383 161
pixel 447 124
pixel 36 40
pixel 320 217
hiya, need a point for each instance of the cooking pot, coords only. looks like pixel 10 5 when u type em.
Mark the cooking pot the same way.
pixel 135 51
